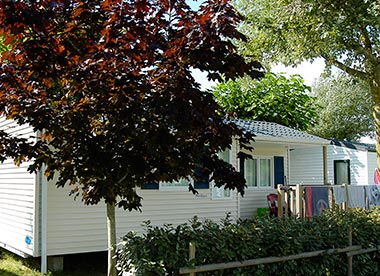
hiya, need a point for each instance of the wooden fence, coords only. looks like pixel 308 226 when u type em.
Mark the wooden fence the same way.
pixel 350 251
pixel 291 199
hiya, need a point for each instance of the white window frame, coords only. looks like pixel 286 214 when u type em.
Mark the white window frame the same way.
pixel 215 190
pixel 258 158
pixel 165 188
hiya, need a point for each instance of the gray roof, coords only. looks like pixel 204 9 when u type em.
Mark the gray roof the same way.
pixel 354 145
pixel 276 132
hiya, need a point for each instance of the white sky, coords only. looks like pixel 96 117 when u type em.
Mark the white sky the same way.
pixel 309 71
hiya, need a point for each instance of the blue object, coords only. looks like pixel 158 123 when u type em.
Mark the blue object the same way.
pixel 28 240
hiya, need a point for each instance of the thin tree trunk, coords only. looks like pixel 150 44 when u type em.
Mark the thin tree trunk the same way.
pixel 111 232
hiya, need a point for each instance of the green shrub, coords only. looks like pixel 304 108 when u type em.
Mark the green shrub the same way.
pixel 163 250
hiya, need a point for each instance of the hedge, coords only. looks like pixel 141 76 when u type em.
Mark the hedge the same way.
pixel 163 250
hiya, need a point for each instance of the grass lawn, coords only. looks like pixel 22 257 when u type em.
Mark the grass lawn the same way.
pixel 91 264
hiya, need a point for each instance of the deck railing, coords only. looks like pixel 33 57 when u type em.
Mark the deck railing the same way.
pixel 292 201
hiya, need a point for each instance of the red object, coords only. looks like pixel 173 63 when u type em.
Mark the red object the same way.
pixel 376 178
pixel 273 204
pixel 309 202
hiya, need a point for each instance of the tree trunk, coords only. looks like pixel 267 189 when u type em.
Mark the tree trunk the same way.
pixel 375 90
pixel 111 232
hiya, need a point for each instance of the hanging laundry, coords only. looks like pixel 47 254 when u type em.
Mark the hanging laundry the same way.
pixel 373 195
pixel 356 196
pixel 340 194
pixel 317 199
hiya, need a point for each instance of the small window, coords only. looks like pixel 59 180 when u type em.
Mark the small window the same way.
pixel 251 172
pixel 342 172
pixel 221 193
pixel 150 186
pixel 202 182
pixel 258 172
pixel 181 183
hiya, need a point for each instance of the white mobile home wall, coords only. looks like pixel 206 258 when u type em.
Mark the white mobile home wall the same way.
pixel 18 201
pixel 75 228
pixel 307 165
pixel 71 227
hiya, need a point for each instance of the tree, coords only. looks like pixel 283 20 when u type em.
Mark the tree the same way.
pixel 273 98
pixel 344 109
pixel 108 87
pixel 345 33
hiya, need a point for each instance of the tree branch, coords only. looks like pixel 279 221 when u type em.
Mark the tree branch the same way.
pixel 351 71
pixel 367 49
pixel 366 40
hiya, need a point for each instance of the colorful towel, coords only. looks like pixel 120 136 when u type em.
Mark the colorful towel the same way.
pixel 317 199
pixel 376 177
pixel 373 195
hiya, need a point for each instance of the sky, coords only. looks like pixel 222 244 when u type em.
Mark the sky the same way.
pixel 308 71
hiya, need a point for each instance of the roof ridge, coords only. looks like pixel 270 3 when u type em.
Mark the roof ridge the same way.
pixel 272 130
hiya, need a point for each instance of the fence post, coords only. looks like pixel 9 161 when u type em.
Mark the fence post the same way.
pixel 280 201
pixel 349 258
pixel 191 254
pixel 299 195
pixel 291 203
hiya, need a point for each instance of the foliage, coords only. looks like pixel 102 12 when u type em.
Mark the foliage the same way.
pixel 162 251
pixel 345 111
pixel 291 31
pixel 273 98
pixel 345 33
pixel 2 46
pixel 108 86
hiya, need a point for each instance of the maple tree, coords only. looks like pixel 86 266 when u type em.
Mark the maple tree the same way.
pixel 108 87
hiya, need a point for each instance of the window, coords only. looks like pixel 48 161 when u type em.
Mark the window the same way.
pixel 203 182
pixel 221 193
pixel 181 183
pixel 258 172
pixel 342 172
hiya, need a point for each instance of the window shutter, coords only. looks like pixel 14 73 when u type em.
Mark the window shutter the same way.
pixel 279 173
pixel 242 165
pixel 150 186
pixel 203 179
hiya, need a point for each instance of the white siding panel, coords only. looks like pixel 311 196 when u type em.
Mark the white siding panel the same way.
pixel 17 194
pixel 358 163
pixel 306 166
pixel 372 165
pixel 253 199
pixel 75 228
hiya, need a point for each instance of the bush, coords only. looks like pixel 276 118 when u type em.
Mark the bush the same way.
pixel 163 250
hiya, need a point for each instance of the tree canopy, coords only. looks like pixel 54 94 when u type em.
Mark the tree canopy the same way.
pixel 273 98
pixel 345 33
pixel 344 110
pixel 107 86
